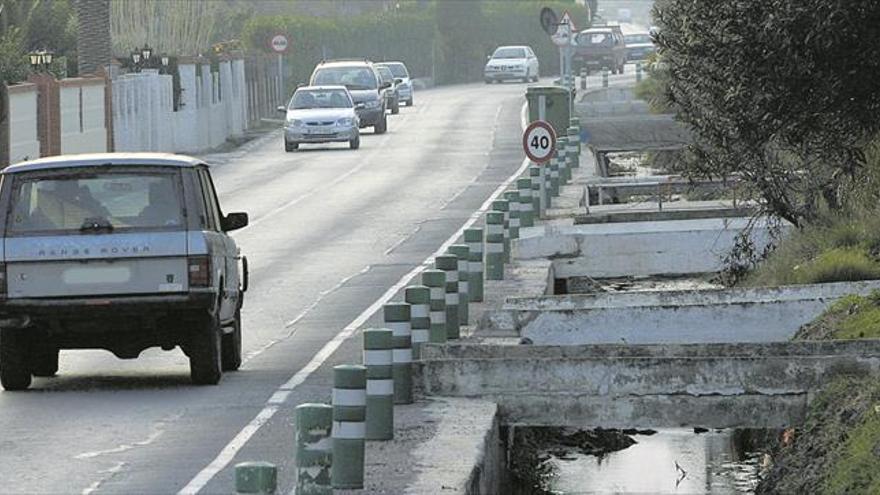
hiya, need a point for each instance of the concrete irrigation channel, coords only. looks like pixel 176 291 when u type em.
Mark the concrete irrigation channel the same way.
pixel 654 360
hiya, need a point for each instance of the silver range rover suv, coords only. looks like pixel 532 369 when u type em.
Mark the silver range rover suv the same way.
pixel 120 251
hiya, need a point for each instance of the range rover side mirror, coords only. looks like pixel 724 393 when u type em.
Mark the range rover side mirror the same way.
pixel 234 221
pixel 385 85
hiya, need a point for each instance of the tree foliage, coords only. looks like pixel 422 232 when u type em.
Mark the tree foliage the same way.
pixel 783 92
pixel 28 25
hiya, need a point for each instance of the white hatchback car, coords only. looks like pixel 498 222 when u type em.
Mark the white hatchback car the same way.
pixel 512 62
pixel 321 114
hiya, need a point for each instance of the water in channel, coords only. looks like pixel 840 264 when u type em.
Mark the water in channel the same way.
pixel 676 461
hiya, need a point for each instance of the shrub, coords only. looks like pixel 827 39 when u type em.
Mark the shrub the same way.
pixel 838 265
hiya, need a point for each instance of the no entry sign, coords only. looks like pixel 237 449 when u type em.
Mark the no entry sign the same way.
pixel 539 141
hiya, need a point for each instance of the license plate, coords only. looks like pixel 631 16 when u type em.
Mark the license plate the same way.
pixel 96 275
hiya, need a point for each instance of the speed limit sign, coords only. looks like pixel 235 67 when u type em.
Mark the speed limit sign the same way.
pixel 539 141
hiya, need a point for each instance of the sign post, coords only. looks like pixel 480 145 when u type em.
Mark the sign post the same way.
pixel 539 141
pixel 564 38
pixel 280 44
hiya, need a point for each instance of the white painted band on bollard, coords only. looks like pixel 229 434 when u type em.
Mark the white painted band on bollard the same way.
pixel 463 287
pixel 494 247
pixel 438 317
pixel 475 247
pixel 377 357
pixel 514 222
pixel 525 193
pixel 380 387
pixel 452 275
pixel 349 397
pixel 399 328
pixel 475 267
pixel 494 228
pixel 514 206
pixel 554 173
pixel 349 430
pixel 437 292
pixel 462 265
pixel 405 355
pixel 452 298
pixel 420 335
pixel 419 310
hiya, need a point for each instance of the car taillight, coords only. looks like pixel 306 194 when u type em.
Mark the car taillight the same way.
pixel 199 271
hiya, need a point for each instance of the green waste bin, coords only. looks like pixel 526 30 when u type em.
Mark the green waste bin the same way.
pixel 556 106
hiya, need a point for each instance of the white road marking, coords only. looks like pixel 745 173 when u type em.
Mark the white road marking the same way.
pixel 227 454
pixel 109 472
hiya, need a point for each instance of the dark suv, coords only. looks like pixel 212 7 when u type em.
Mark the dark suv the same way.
pixel 601 47
pixel 365 85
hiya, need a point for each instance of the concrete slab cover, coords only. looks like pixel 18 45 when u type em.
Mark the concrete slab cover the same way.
pixel 719 385
pixel 706 316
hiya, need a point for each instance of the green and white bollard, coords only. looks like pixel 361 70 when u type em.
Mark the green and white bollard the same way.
pixel 495 245
pixel 419 299
pixel 574 144
pixel 546 173
pixel 605 78
pixel 562 154
pixel 513 203
pixel 474 240
pixel 397 318
pixel 463 253
pixel 554 175
pixel 584 78
pixel 504 207
pixel 536 174
pixel 449 264
pixel 314 449
pixel 379 360
pixel 638 72
pixel 349 429
pixel 526 208
pixel 436 281
pixel 256 477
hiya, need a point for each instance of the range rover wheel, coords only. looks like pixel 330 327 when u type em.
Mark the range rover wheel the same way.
pixel 45 359
pixel 15 373
pixel 231 343
pixel 205 353
pixel 355 143
pixel 290 146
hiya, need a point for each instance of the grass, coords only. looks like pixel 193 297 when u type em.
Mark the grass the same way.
pixel 855 469
pixel 851 317
pixel 836 248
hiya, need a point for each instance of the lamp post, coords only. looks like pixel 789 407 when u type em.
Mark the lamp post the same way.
pixel 142 58
pixel 41 60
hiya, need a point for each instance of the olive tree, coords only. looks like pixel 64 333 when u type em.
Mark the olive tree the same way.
pixel 783 92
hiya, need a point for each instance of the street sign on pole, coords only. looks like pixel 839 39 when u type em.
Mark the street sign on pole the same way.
pixel 539 141
pixel 549 21
pixel 279 43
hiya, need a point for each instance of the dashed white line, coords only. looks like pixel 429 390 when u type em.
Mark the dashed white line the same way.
pixel 227 454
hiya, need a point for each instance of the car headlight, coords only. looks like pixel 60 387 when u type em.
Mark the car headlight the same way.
pixel 294 123
pixel 345 122
pixel 371 104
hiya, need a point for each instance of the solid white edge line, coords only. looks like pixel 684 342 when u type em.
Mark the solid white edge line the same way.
pixel 227 454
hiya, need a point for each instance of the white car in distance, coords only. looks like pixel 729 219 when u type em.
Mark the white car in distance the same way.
pixel 512 63
pixel 321 114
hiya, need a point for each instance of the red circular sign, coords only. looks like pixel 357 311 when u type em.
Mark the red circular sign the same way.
pixel 279 43
pixel 539 141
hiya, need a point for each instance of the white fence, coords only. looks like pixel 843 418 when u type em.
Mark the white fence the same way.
pixel 83 126
pixel 213 107
pixel 24 142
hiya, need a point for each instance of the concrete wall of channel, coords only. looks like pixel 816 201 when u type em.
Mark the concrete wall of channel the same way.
pixel 707 316
pixel 712 385
pixel 639 248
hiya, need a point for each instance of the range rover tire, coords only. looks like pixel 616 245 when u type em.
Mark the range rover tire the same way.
pixel 205 351
pixel 355 143
pixel 231 343
pixel 15 373
pixel 45 360
pixel 290 146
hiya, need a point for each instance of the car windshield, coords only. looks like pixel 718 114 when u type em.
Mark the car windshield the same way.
pixel 638 38
pixel 509 53
pixel 385 74
pixel 399 70
pixel 353 78
pixel 601 38
pixel 95 202
pixel 317 98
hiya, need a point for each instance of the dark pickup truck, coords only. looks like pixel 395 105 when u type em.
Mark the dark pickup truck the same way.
pixel 601 47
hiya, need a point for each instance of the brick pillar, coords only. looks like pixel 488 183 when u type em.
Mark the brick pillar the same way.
pixel 4 126
pixel 48 113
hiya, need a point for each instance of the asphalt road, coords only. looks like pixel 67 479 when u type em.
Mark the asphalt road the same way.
pixel 331 231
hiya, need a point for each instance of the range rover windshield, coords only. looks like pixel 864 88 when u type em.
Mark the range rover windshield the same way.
pixel 91 203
